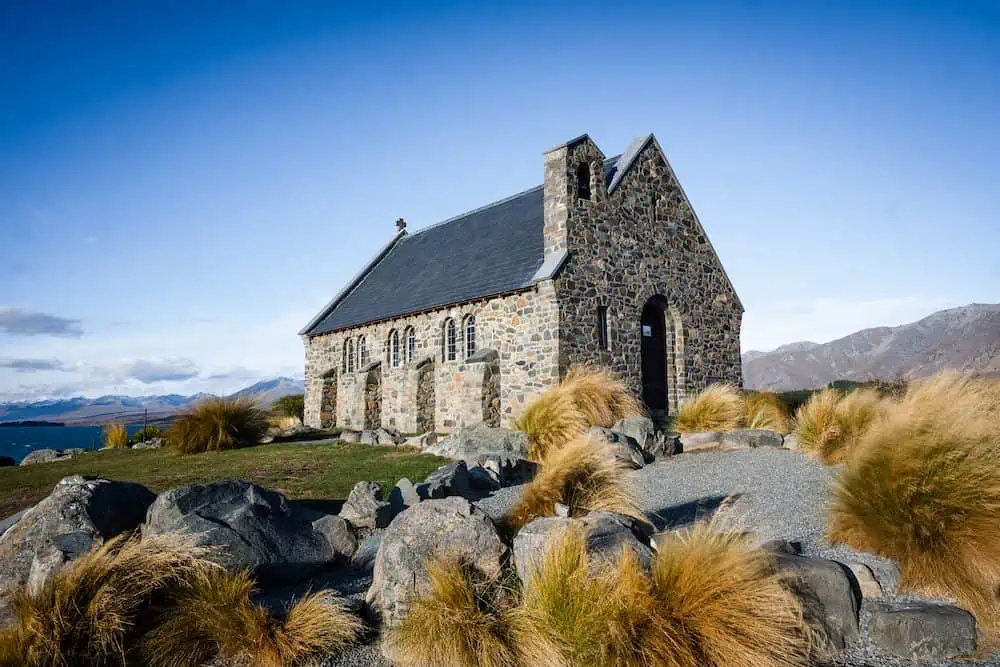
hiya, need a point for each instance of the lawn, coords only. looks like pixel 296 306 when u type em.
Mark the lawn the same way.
pixel 300 471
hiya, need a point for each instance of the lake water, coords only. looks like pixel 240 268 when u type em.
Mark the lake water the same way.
pixel 17 441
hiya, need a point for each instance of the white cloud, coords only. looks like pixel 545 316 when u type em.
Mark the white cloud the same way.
pixel 766 326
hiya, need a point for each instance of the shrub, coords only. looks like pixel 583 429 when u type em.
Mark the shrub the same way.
pixel 147 433
pixel 763 409
pixel 213 619
pixel 719 407
pixel 293 405
pixel 582 475
pixel 589 396
pixel 829 425
pixel 465 621
pixel 578 612
pixel 815 422
pixel 94 610
pixel 216 424
pixel 721 604
pixel 710 600
pixel 923 488
pixel 115 436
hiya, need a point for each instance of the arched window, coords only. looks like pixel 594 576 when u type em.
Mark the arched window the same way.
pixel 362 352
pixel 350 355
pixel 450 350
pixel 470 336
pixel 394 348
pixel 411 345
pixel 583 181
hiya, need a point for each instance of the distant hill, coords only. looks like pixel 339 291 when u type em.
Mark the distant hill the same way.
pixel 963 339
pixel 130 409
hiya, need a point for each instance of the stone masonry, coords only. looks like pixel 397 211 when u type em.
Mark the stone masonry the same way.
pixel 619 249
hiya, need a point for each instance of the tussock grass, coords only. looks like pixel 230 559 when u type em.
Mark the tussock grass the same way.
pixel 115 436
pixel 92 611
pixel 764 409
pixel 465 621
pixel 923 488
pixel 584 476
pixel 577 612
pixel 721 600
pixel 217 424
pixel 589 396
pixel 719 407
pixel 213 618
pixel 830 426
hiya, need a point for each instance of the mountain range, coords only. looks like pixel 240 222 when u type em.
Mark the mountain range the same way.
pixel 131 409
pixel 963 339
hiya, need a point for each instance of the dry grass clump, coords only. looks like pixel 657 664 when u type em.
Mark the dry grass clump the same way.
pixel 589 396
pixel 722 604
pixel 116 436
pixel 214 618
pixel 830 426
pixel 584 476
pixel 92 611
pixel 763 409
pixel 923 488
pixel 216 424
pixel 711 600
pixel 719 407
pixel 465 620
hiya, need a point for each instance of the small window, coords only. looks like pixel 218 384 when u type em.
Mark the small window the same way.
pixel 344 360
pixel 362 352
pixel 583 181
pixel 470 336
pixel 602 327
pixel 411 345
pixel 449 340
pixel 350 356
pixel 394 348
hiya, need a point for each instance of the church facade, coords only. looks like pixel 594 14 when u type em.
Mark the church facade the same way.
pixel 467 320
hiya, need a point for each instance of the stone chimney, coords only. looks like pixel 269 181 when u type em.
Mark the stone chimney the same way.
pixel 400 225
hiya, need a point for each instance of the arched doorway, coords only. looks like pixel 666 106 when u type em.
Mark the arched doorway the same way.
pixel 328 400
pixel 654 356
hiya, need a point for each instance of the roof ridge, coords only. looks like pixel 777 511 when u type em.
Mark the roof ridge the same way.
pixel 477 210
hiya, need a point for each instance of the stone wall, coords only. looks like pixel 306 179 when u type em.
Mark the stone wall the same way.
pixel 522 328
pixel 640 241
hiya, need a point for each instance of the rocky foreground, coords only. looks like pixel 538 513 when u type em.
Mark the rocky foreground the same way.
pixel 371 550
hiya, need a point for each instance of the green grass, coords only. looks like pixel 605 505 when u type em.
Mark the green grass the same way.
pixel 300 471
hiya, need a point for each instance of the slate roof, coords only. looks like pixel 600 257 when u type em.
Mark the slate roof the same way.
pixel 492 250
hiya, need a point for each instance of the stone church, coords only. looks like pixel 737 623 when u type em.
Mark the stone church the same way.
pixel 467 320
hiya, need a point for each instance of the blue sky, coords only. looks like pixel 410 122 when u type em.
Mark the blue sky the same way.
pixel 183 184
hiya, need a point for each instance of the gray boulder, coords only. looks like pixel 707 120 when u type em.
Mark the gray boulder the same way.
pixel 364 509
pixel 471 442
pixel 152 443
pixel 606 533
pixel 448 480
pixel 700 441
pixel 350 437
pixel 403 496
pixel 750 438
pixel 791 441
pixel 639 428
pixel 387 438
pixel 78 515
pixel 664 445
pixel 253 528
pixel 369 438
pixel 338 534
pixel 496 471
pixel 922 630
pixel 450 526
pixel 829 598
pixel 50 455
pixel 623 447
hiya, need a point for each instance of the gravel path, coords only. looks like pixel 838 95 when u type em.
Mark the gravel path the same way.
pixel 776 493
